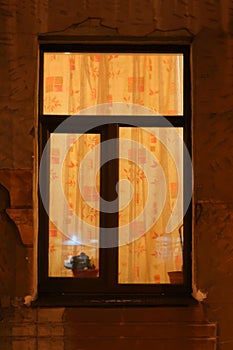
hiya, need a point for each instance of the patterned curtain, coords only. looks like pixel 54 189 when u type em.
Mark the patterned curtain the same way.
pixel 70 240
pixel 148 257
pixel 73 82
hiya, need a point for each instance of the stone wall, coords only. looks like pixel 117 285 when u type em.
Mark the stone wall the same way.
pixel 210 25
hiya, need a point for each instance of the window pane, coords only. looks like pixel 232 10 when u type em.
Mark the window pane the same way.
pixel 151 160
pixel 74 224
pixel 73 82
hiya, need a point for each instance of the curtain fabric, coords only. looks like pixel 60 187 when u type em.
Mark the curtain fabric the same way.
pixel 73 82
pixel 68 235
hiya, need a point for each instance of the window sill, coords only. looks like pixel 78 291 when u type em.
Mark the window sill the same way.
pixel 111 301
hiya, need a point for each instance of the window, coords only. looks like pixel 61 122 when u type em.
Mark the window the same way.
pixel 115 179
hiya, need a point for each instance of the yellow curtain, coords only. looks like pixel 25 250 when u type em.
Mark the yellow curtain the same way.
pixel 68 236
pixel 152 252
pixel 73 82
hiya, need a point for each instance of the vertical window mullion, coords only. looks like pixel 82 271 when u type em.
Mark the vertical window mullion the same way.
pixel 111 237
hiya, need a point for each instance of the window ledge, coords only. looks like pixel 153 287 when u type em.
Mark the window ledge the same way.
pixel 110 301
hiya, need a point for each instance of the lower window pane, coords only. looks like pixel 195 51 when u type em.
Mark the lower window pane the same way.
pixel 74 206
pixel 151 207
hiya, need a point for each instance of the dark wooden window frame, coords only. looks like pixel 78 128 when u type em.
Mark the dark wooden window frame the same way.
pixel 105 290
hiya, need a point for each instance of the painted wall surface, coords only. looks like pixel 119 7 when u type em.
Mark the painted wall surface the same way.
pixel 210 25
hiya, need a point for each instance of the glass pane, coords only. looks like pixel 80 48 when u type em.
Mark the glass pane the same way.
pixel 74 82
pixel 74 206
pixel 151 207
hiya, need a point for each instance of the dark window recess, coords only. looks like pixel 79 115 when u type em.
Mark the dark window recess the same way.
pixel 89 253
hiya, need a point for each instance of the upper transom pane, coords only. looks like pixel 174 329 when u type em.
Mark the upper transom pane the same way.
pixel 76 81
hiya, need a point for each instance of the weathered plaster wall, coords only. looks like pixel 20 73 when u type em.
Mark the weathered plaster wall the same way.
pixel 210 23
